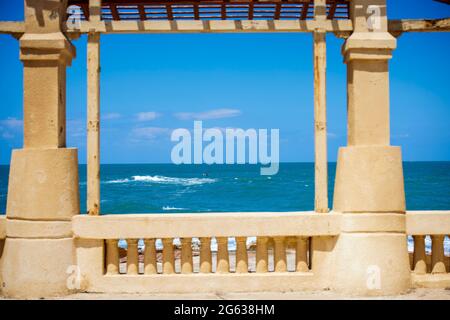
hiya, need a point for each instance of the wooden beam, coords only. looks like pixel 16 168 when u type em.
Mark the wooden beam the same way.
pixel 114 12
pixel 237 26
pixel 95 10
pixel 332 10
pixel 320 124
pixel 305 9
pixel 13 28
pixel 93 124
pixel 419 25
pixel 213 26
pixel 320 111
pixel 142 14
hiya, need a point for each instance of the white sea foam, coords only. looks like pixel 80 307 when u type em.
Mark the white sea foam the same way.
pixel 169 208
pixel 165 180
pixel 172 180
pixel 118 181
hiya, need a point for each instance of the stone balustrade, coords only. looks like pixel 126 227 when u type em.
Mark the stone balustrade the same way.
pixel 228 251
pixel 194 255
pixel 429 264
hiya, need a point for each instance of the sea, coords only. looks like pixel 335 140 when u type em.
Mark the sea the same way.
pixel 173 189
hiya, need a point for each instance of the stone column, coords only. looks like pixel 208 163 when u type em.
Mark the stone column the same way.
pixel 43 192
pixel 371 252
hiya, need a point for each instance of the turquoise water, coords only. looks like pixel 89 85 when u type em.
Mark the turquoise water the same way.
pixel 168 188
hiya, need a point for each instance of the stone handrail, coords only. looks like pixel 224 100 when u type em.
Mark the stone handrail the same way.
pixel 282 244
pixel 430 267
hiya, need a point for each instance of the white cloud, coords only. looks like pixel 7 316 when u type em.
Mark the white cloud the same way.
pixel 332 135
pixel 207 115
pixel 76 128
pixel 400 136
pixel 147 116
pixel 10 127
pixel 11 123
pixel 148 133
pixel 111 116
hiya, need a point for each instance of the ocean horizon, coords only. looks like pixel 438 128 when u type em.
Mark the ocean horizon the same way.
pixel 170 188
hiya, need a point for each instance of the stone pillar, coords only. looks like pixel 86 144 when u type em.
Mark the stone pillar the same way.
pixel 371 252
pixel 43 192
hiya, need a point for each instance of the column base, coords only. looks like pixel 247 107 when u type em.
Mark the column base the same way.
pixel 43 196
pixel 371 264
pixel 35 268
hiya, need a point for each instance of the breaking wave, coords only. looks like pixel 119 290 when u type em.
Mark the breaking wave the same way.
pixel 169 208
pixel 165 180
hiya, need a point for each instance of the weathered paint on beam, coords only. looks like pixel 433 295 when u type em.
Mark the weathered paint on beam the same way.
pixel 419 25
pixel 93 124
pixel 17 28
pixel 14 28
pixel 214 26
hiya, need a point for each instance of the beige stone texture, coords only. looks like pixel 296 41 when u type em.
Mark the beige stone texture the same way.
pixel 371 264
pixel 44 58
pixel 38 229
pixel 200 225
pixel 36 267
pixel 51 180
pixel 428 222
pixel 369 179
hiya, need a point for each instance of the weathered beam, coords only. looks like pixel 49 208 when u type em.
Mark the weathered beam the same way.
pixel 213 26
pixel 93 124
pixel 17 28
pixel 14 28
pixel 95 10
pixel 419 25
pixel 320 111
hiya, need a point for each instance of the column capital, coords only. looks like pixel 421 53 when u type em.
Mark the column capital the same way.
pixel 46 47
pixel 369 46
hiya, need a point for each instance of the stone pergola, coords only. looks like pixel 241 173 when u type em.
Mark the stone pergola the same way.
pixel 365 232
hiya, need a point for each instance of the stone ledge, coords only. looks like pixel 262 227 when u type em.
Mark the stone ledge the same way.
pixel 206 283
pixel 431 280
pixel 428 222
pixel 136 226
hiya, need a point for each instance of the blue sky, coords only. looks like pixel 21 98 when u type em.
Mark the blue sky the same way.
pixel 151 84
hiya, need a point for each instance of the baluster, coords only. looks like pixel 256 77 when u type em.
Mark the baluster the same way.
pixel 241 255
pixel 168 256
pixel 301 255
pixel 186 255
pixel 150 257
pixel 223 265
pixel 262 254
pixel 419 255
pixel 280 254
pixel 132 256
pixel 112 256
pixel 205 255
pixel 437 254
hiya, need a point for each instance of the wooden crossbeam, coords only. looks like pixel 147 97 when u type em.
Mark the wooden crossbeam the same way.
pixel 277 11
pixel 305 10
pixel 223 11
pixel 169 12
pixel 332 11
pixel 85 10
pixel 142 14
pixel 114 12
pixel 196 12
